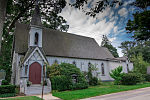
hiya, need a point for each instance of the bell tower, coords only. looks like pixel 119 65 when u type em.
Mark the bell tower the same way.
pixel 35 33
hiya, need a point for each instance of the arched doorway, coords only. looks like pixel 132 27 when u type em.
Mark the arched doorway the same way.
pixel 35 73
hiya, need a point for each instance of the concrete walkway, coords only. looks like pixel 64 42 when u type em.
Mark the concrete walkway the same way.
pixel 45 97
pixel 48 97
pixel 138 94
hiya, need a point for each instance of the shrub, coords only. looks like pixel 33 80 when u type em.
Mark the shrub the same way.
pixel 60 83
pixel 140 77
pixel 4 89
pixel 117 75
pixel 29 83
pixel 147 77
pixel 130 79
pixel 7 95
pixel 140 66
pixel 93 81
pixel 78 86
pixel 5 82
pixel 61 77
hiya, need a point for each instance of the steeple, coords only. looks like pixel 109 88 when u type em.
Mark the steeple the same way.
pixel 36 18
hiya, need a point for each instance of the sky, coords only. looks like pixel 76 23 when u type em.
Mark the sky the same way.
pixel 111 22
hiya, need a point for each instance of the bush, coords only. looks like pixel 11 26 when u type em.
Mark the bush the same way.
pixel 4 89
pixel 7 95
pixel 117 74
pixel 60 83
pixel 61 77
pixel 141 77
pixel 5 82
pixel 131 79
pixel 93 81
pixel 78 86
pixel 147 77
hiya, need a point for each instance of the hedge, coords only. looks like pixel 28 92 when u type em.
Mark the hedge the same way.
pixel 4 89
pixel 132 78
pixel 5 82
pixel 60 83
pixel 7 95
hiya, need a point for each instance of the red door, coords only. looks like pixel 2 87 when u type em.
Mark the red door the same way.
pixel 35 73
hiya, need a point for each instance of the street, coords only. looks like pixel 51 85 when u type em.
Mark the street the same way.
pixel 138 94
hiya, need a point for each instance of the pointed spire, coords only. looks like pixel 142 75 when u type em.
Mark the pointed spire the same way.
pixel 36 17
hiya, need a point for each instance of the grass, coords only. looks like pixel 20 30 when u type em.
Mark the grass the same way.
pixel 24 98
pixel 106 88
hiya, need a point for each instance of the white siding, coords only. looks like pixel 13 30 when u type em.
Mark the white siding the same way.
pixel 32 32
pixel 108 65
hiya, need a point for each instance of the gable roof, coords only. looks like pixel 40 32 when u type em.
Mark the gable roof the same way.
pixel 62 44
pixel 31 50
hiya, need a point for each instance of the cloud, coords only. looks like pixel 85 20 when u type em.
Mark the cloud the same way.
pixel 123 12
pixel 115 29
pixel 105 23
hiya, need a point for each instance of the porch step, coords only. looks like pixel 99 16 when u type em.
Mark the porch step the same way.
pixel 36 89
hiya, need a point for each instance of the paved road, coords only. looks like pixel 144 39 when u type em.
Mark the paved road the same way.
pixel 139 94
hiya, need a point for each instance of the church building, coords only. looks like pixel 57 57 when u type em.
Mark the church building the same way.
pixel 35 45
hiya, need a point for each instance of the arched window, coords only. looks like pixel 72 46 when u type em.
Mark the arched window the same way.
pixel 74 63
pixel 55 62
pixel 36 38
pixel 89 64
pixel 127 68
pixel 102 68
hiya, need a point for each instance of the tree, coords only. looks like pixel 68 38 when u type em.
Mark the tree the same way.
pixel 141 4
pixel 139 26
pixel 98 7
pixel 3 4
pixel 106 43
pixel 126 46
pixel 133 48
pixel 140 66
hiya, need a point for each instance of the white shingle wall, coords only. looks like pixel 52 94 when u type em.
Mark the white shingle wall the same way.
pixel 108 65
pixel 15 69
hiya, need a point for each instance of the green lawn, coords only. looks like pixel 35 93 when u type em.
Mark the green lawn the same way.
pixel 106 88
pixel 24 98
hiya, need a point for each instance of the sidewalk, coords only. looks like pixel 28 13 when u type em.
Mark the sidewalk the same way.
pixel 48 97
pixel 45 97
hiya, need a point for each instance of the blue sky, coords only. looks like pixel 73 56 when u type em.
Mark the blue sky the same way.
pixel 111 22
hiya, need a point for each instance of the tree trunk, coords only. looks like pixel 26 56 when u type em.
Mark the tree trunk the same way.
pixel 3 5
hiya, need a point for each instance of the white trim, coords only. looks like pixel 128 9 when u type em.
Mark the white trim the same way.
pixel 36 49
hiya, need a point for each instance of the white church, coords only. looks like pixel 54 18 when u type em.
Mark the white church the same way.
pixel 34 45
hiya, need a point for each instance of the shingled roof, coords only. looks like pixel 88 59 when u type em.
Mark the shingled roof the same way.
pixel 62 44
pixel 36 17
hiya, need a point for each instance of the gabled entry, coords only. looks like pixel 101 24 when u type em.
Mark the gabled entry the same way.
pixel 35 70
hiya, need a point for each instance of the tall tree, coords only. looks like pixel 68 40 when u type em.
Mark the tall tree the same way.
pixel 3 4
pixel 139 26
pixel 126 46
pixel 106 43
pixel 133 48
